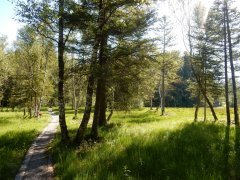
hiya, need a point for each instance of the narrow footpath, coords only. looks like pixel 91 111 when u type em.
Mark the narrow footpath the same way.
pixel 37 163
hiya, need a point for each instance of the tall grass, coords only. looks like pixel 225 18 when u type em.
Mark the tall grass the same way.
pixel 144 145
pixel 16 136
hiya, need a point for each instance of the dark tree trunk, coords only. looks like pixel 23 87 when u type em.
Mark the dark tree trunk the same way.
pixel 30 112
pixel 159 93
pixel 207 100
pixel 205 89
pixel 150 103
pixel 74 102
pixel 30 108
pixel 205 111
pixel 111 112
pixel 36 113
pixel 226 72
pixel 197 108
pixel 163 93
pixel 87 112
pixel 201 89
pixel 94 131
pixel 103 68
pixel 102 108
pixel 77 104
pixel 236 115
pixel 111 107
pixel 61 103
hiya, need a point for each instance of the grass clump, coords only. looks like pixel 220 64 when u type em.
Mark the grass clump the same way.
pixel 16 136
pixel 144 145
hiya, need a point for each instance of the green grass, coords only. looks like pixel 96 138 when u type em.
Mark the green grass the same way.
pixel 16 136
pixel 144 145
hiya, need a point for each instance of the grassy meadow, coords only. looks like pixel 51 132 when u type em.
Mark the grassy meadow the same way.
pixel 144 145
pixel 16 136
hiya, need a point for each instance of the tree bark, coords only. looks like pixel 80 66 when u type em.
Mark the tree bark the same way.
pixel 74 101
pixel 61 103
pixel 163 72
pixel 111 111
pixel 102 108
pixel 197 108
pixel 94 131
pixel 226 72
pixel 236 114
pixel 87 112
pixel 76 107
pixel 163 93
pixel 151 103
pixel 160 96
pixel 201 89
pixel 205 89
pixel 102 121
pixel 196 76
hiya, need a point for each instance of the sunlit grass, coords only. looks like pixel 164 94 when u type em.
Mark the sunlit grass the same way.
pixel 16 136
pixel 144 145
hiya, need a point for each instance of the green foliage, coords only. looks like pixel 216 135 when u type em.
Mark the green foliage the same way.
pixel 32 68
pixel 16 136
pixel 144 145
pixel 179 94
pixel 207 67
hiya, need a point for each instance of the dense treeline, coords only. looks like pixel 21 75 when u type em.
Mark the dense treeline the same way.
pixel 98 53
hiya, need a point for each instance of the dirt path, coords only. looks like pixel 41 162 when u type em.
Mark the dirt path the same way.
pixel 37 163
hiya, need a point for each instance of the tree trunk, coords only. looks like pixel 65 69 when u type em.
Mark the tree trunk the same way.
pixel 197 108
pixel 226 72
pixel 111 111
pixel 30 107
pixel 87 112
pixel 236 115
pixel 94 131
pixel 46 54
pixel 163 71
pixel 111 107
pixel 195 74
pixel 201 89
pixel 61 103
pixel 30 112
pixel 36 113
pixel 99 34
pixel 77 104
pixel 163 93
pixel 74 102
pixel 151 103
pixel 103 107
pixel 205 89
pixel 102 121
pixel 159 93
pixel 205 111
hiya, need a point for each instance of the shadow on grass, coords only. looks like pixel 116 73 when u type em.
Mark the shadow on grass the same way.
pixel 195 151
pixel 237 151
pixel 4 121
pixel 13 146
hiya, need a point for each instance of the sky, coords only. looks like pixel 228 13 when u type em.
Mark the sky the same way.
pixel 8 26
